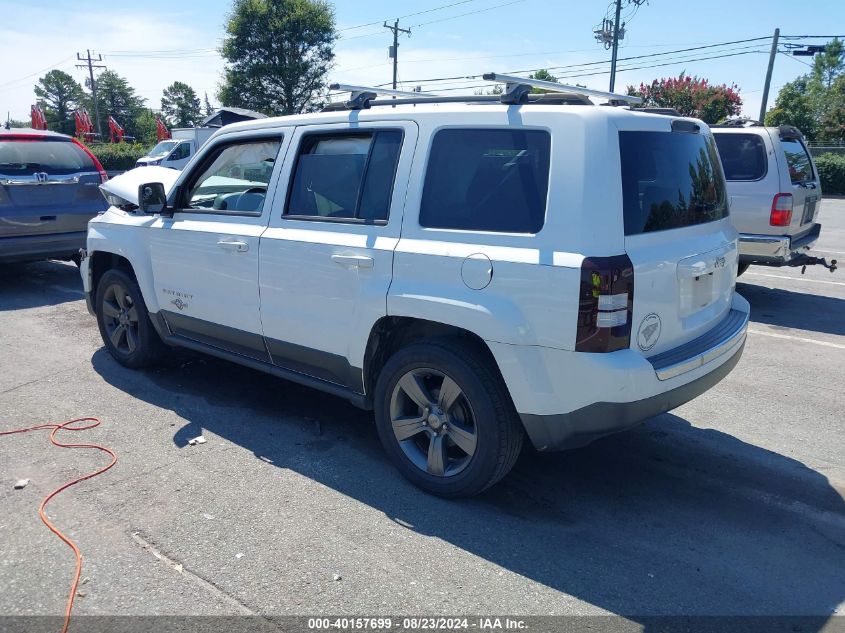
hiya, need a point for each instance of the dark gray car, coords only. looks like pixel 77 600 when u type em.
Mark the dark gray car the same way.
pixel 49 189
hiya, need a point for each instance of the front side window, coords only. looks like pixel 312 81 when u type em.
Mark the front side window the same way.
pixel 797 160
pixel 487 180
pixel 670 180
pixel 345 176
pixel 235 181
pixel 743 156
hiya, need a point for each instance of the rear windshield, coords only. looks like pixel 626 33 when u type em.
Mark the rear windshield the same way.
pixel 743 156
pixel 798 161
pixel 670 180
pixel 26 157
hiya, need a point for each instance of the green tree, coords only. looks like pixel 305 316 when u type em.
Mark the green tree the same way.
pixel 277 54
pixel 118 99
pixel 59 95
pixel 793 106
pixel 691 96
pixel 542 75
pixel 815 102
pixel 180 105
pixel 145 128
pixel 208 108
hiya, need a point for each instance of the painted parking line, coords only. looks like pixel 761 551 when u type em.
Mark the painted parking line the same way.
pixel 816 281
pixel 754 330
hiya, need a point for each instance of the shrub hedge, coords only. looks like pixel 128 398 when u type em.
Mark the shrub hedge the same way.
pixel 832 173
pixel 119 156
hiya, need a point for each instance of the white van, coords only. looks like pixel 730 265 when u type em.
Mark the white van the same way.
pixel 175 152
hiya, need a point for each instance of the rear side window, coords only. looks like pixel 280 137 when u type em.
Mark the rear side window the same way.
pixel 487 180
pixel 345 176
pixel 743 156
pixel 670 180
pixel 797 160
pixel 27 157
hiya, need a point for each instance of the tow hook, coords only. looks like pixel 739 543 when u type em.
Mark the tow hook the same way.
pixel 809 260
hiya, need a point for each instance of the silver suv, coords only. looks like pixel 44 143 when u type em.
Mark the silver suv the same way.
pixel 774 192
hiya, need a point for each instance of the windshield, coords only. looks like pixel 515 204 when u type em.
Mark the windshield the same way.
pixel 670 180
pixel 162 148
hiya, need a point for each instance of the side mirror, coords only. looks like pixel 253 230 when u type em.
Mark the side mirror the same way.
pixel 152 198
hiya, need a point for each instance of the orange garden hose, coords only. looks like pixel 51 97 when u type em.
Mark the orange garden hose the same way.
pixel 66 426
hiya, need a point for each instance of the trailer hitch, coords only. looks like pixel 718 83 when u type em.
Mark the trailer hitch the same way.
pixel 810 260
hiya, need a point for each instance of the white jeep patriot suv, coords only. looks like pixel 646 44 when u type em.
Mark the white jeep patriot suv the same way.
pixel 473 271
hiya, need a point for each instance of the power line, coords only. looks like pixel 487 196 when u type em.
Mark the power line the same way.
pixel 602 72
pixel 461 15
pixel 409 15
pixel 605 61
pixel 51 67
pixel 451 17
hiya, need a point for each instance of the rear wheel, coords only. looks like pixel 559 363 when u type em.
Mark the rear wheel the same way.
pixel 124 322
pixel 445 418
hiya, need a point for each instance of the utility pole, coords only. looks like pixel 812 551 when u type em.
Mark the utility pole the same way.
pixel 90 65
pixel 766 85
pixel 394 50
pixel 615 45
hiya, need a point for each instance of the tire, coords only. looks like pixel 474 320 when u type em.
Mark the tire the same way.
pixel 124 322
pixel 741 269
pixel 461 449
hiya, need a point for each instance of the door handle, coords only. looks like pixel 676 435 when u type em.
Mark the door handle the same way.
pixel 233 245
pixel 353 261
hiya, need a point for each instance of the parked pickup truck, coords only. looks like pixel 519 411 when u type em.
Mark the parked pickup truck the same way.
pixel 774 192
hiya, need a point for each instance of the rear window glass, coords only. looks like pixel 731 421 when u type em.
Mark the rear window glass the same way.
pixel 24 158
pixel 797 160
pixel 670 180
pixel 487 180
pixel 743 156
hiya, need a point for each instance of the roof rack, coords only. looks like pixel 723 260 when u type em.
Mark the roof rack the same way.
pixel 518 88
pixel 738 122
pixel 517 92
pixel 362 95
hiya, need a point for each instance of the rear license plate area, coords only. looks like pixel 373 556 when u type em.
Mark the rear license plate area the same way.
pixel 810 205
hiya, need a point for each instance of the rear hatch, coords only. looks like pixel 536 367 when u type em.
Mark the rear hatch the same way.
pixel 47 185
pixel 802 183
pixel 677 233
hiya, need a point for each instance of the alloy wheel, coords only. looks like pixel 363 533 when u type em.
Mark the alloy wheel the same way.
pixel 433 421
pixel 120 317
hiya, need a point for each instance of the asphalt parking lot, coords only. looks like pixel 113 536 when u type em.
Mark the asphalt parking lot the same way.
pixel 732 504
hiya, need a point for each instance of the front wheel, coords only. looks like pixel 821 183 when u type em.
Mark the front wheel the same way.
pixel 445 418
pixel 124 322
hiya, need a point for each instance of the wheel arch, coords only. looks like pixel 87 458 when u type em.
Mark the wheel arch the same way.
pixel 391 333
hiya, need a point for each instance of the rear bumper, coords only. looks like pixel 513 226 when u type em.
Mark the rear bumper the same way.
pixel 568 399
pixel 775 250
pixel 45 246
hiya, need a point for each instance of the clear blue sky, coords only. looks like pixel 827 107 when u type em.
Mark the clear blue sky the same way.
pixel 161 41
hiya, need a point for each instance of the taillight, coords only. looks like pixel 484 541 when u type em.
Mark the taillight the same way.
pixel 606 302
pixel 781 210
pixel 103 175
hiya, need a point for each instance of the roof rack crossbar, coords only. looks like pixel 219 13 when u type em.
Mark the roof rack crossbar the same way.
pixel 516 88
pixel 362 95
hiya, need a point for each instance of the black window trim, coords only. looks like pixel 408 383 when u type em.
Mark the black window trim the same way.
pixel 491 128
pixel 209 156
pixel 765 154
pixel 328 133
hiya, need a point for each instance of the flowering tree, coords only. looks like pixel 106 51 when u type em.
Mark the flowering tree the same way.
pixel 691 96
